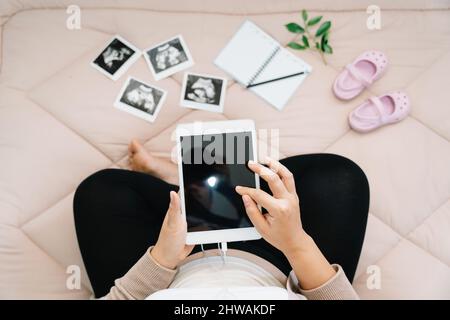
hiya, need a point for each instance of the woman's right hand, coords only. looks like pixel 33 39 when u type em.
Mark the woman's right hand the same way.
pixel 281 226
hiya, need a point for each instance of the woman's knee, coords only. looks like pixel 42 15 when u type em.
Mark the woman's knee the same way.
pixel 93 181
pixel 91 187
pixel 347 169
pixel 349 177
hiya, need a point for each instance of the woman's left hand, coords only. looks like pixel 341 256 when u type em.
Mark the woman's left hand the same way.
pixel 171 248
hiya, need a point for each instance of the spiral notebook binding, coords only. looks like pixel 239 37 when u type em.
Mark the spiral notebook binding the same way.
pixel 263 66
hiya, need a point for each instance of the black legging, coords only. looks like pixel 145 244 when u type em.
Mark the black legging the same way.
pixel 118 215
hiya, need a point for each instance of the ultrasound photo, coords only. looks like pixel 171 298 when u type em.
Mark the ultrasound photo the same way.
pixel 203 92
pixel 116 57
pixel 140 99
pixel 168 57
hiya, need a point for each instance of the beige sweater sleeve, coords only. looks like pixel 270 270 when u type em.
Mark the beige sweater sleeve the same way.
pixel 337 288
pixel 147 277
pixel 143 279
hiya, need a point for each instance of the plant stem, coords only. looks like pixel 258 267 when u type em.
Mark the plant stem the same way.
pixel 313 39
pixel 295 39
pixel 310 37
pixel 322 56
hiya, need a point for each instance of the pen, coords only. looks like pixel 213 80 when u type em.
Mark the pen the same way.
pixel 276 79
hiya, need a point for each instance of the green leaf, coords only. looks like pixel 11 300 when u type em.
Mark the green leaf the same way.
pixel 304 15
pixel 294 28
pixel 323 41
pixel 305 41
pixel 318 46
pixel 296 46
pixel 327 49
pixel 314 21
pixel 324 27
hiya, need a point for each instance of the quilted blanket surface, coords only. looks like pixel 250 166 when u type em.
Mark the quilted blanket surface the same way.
pixel 58 125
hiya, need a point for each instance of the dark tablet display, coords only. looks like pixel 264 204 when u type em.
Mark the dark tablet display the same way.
pixel 213 165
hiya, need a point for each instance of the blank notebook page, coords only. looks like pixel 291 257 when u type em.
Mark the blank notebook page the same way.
pixel 278 93
pixel 246 52
pixel 253 52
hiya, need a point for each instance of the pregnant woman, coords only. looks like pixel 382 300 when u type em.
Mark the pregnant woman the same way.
pixel 132 234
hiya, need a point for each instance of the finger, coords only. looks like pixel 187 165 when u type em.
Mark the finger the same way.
pixel 188 249
pixel 270 219
pixel 254 214
pixel 259 196
pixel 286 176
pixel 173 213
pixel 273 180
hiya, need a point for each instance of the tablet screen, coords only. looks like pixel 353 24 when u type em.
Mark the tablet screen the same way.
pixel 213 165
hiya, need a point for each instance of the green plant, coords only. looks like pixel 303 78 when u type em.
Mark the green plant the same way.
pixel 317 40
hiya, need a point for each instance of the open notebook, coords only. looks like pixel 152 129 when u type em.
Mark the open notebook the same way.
pixel 252 56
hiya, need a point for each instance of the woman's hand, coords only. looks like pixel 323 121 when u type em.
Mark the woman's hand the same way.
pixel 171 248
pixel 281 226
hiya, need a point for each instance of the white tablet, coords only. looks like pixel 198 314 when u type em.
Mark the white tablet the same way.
pixel 212 161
